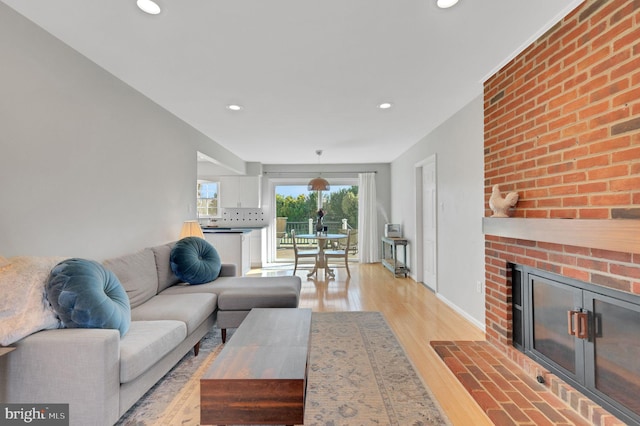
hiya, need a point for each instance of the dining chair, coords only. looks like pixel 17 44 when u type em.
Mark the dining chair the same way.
pixel 353 241
pixel 298 253
pixel 339 254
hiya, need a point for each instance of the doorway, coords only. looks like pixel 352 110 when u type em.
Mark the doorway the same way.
pixel 426 223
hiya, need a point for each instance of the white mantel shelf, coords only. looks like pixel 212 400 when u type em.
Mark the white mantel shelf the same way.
pixel 621 235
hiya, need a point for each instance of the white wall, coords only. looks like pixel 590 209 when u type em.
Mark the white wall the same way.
pixel 88 166
pixel 458 144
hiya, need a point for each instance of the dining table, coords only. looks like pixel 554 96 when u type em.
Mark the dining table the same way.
pixel 322 239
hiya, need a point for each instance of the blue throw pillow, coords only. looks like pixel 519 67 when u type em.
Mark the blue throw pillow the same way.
pixel 86 295
pixel 195 261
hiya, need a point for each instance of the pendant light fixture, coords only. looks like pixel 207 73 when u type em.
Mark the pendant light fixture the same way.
pixel 318 184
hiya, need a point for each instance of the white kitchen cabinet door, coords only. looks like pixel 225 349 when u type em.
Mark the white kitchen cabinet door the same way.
pixel 256 248
pixel 233 248
pixel 240 191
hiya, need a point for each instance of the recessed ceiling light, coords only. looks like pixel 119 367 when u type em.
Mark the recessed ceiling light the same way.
pixel 148 6
pixel 443 4
pixel 234 107
pixel 385 105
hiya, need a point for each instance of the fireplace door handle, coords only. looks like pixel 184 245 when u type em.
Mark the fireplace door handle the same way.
pixel 570 328
pixel 577 324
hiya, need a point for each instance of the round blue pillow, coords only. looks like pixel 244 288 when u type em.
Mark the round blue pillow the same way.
pixel 195 261
pixel 86 295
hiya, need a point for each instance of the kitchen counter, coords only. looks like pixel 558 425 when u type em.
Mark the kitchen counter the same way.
pixel 222 230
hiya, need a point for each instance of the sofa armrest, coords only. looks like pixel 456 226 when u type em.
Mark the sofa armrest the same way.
pixel 228 270
pixel 75 366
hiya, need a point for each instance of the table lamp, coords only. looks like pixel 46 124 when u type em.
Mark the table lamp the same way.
pixel 191 228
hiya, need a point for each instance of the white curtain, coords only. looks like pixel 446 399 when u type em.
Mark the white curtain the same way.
pixel 368 219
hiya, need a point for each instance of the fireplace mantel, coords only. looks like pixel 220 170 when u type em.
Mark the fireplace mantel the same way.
pixel 608 234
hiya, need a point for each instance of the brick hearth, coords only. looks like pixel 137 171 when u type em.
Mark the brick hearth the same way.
pixel 509 396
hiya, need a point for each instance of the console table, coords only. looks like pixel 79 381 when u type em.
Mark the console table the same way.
pixel 260 376
pixel 390 260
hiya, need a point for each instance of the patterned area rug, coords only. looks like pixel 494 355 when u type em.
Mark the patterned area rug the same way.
pixel 358 375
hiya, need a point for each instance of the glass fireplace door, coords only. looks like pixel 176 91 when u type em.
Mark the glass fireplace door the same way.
pixel 612 357
pixel 549 337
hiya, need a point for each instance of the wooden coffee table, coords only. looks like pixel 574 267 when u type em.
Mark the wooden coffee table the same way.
pixel 260 376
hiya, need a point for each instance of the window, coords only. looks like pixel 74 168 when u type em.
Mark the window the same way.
pixel 208 193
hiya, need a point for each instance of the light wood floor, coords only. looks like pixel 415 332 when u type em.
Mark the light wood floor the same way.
pixel 414 312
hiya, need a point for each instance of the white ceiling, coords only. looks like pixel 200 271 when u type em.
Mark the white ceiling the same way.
pixel 308 73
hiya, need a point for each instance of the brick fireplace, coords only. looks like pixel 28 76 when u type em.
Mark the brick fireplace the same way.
pixel 562 127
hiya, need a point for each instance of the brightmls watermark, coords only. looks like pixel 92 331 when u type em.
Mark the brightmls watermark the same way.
pixel 34 414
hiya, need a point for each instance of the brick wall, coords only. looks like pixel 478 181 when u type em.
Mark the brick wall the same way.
pixel 562 127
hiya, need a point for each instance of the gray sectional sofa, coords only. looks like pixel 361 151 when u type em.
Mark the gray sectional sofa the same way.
pixel 100 374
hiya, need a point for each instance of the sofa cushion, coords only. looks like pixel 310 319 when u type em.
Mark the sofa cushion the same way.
pixel 86 295
pixel 166 277
pixel 146 343
pixel 195 261
pixel 191 309
pixel 137 274
pixel 23 306
pixel 231 283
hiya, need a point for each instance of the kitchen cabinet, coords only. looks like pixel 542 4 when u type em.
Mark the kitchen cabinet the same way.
pixel 233 247
pixel 256 248
pixel 239 191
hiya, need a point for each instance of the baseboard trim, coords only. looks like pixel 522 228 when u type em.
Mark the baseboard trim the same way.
pixel 460 311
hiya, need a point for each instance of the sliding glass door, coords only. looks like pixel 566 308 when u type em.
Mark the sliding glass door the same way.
pixel 296 209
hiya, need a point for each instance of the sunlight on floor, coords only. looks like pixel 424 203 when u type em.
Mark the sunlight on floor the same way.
pixel 367 289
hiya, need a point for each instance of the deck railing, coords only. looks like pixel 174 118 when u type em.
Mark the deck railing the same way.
pixel 307 227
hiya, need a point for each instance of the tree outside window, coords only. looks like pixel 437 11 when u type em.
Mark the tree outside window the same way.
pixel 340 203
